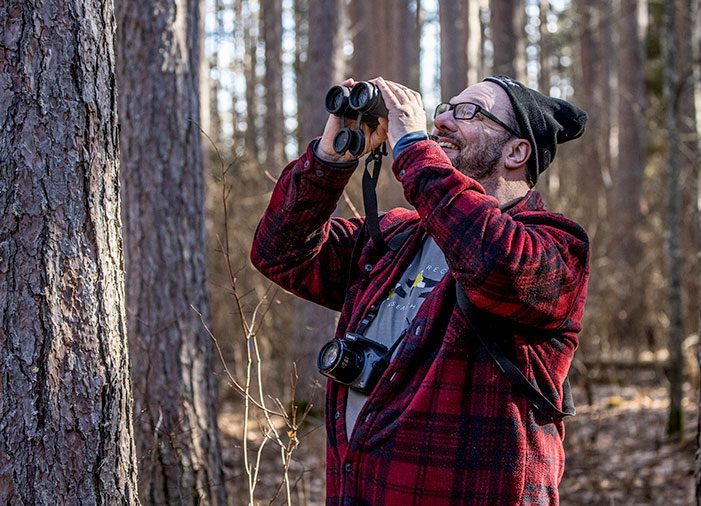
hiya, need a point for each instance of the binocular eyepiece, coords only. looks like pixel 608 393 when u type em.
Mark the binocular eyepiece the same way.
pixel 365 100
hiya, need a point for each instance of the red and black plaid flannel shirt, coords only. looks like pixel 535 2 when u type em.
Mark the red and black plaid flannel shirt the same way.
pixel 443 426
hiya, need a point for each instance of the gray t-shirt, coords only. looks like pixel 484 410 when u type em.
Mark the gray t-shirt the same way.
pixel 399 308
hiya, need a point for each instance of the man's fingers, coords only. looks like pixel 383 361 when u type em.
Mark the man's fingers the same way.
pixel 387 94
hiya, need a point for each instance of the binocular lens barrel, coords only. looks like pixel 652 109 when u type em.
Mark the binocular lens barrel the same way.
pixel 366 100
pixel 365 97
pixel 349 140
pixel 337 99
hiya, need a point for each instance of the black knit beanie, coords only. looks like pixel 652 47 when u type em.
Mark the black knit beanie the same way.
pixel 543 121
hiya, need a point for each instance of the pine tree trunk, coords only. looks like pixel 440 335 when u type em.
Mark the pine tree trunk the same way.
pixel 250 37
pixel 164 240
pixel 675 421
pixel 65 399
pixel 628 177
pixel 507 26
pixel 454 38
pixel 314 325
pixel 475 72
pixel 409 45
pixel 323 67
pixel 271 25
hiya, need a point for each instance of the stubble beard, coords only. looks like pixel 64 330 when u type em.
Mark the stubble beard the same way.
pixel 480 163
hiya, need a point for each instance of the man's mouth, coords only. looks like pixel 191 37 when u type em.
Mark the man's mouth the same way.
pixel 448 145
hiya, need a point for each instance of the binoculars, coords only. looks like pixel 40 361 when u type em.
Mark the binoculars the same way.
pixel 364 101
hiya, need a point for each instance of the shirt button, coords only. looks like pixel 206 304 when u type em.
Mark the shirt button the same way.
pixel 348 467
pixel 367 267
pixel 337 415
pixel 319 173
pixel 306 164
pixel 402 173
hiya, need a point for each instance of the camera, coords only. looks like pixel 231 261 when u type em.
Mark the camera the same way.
pixel 366 102
pixel 354 360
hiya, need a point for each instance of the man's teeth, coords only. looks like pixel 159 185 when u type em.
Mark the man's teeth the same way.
pixel 449 145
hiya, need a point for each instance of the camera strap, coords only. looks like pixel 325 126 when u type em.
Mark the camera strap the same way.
pixel 370 194
pixel 473 315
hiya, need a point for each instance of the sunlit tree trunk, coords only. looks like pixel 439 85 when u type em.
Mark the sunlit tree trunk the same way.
pixel 454 38
pixel 65 399
pixel 164 240
pixel 475 68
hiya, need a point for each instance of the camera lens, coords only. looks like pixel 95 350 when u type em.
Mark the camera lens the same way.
pixel 338 360
pixel 329 355
pixel 337 100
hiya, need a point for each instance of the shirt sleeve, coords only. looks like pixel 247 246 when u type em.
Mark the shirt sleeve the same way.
pixel 298 244
pixel 531 268
pixel 407 140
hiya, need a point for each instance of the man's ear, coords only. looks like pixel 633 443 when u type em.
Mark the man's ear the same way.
pixel 517 153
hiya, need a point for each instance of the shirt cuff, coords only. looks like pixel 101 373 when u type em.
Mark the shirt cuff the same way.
pixel 349 165
pixel 407 140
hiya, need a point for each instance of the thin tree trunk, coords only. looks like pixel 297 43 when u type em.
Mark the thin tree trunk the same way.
pixel 544 51
pixel 475 70
pixel 164 239
pixel 675 421
pixel 271 25
pixel 250 37
pixel 65 398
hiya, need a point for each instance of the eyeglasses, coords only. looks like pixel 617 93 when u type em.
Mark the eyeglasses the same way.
pixel 468 110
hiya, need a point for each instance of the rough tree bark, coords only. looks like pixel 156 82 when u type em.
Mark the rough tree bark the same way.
pixel 65 400
pixel 164 240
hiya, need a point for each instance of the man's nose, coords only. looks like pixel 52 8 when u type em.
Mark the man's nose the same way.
pixel 444 121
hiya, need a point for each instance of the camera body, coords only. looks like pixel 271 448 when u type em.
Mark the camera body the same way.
pixel 364 100
pixel 354 360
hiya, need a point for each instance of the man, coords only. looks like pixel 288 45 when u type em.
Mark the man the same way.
pixel 443 425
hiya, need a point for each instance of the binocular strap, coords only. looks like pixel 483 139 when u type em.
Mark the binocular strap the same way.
pixel 370 195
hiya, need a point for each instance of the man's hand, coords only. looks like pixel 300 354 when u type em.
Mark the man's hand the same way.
pixel 406 109
pixel 373 138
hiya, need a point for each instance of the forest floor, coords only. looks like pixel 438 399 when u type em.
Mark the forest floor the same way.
pixel 617 453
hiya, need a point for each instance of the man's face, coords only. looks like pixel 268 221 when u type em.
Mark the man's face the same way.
pixel 475 147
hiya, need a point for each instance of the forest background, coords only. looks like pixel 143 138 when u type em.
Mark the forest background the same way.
pixel 176 116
